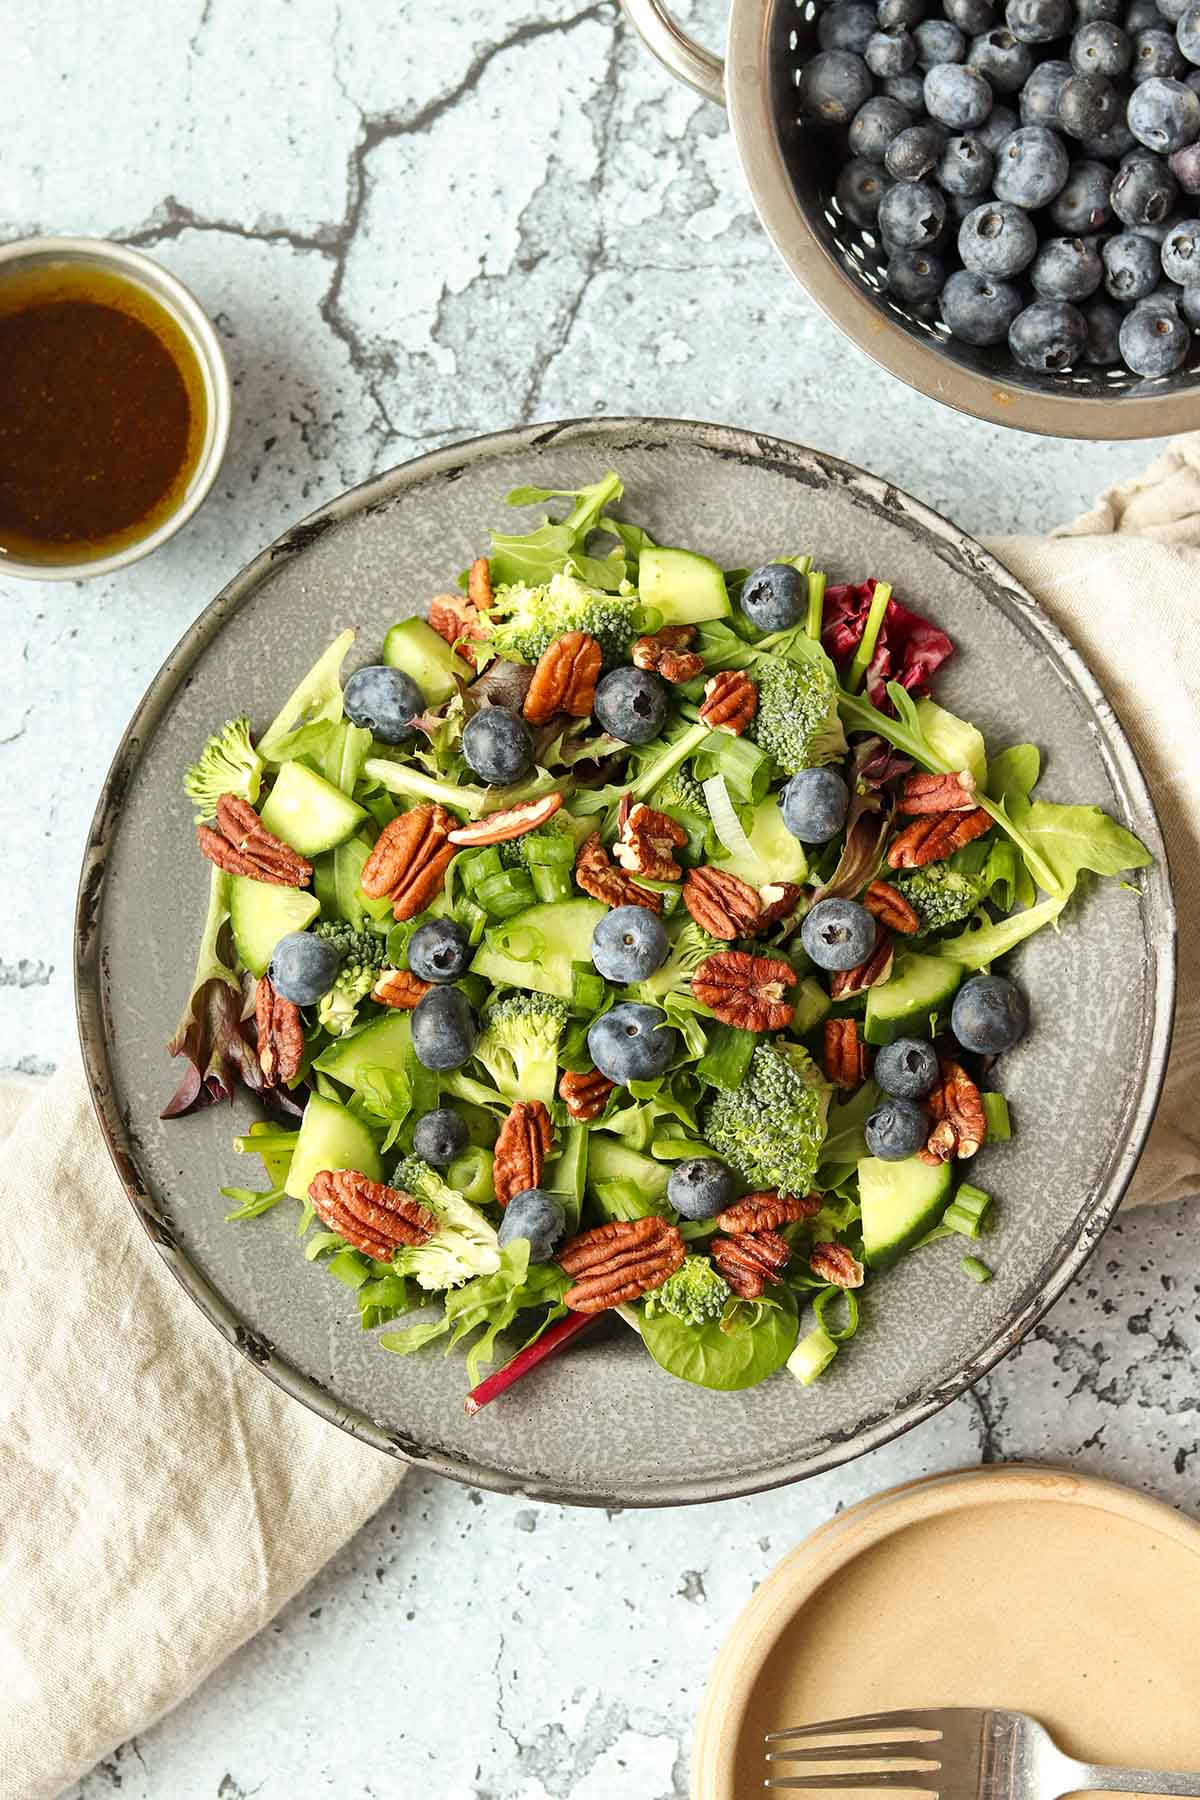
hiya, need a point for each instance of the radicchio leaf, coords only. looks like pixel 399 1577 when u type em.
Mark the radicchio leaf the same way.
pixel 909 650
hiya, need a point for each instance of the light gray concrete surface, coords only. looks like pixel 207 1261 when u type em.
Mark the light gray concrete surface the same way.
pixel 413 224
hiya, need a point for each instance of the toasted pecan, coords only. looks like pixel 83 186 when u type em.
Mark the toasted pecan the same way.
pixel 376 1219
pixel 834 1263
pixel 647 841
pixel 766 1211
pixel 585 1096
pixel 479 584
pixel 887 904
pixel 280 1035
pixel 666 652
pixel 597 875
pixel 730 702
pixel 922 793
pixel 458 622
pixel 750 1260
pixel 399 988
pixel 565 678
pixel 934 836
pixel 779 900
pixel 960 1122
pixel 240 844
pixel 746 991
pixel 521 1149
pixel 722 904
pixel 410 859
pixel 619 1261
pixel 512 822
pixel 846 1059
pixel 871 972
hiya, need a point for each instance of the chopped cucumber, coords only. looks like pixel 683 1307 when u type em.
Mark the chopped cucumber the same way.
pixel 775 855
pixel 415 647
pixel 308 812
pixel 900 1201
pixel 261 913
pixel 919 985
pixel 812 1006
pixel 330 1138
pixel 682 587
pixel 385 1043
pixel 537 948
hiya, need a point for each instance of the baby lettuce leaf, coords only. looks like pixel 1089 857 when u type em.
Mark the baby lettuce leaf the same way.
pixel 316 701
pixel 489 1303
pixel 1071 838
pixel 534 556
pixel 1013 774
pixel 749 1343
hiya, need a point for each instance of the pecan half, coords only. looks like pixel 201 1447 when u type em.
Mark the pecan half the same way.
pixel 242 845
pixel 730 702
pixel 585 1096
pixel 376 1219
pixel 765 1211
pixel 888 905
pixel 845 1058
pixel 666 652
pixel 871 972
pixel 619 1261
pixel 746 991
pixel 749 1261
pixel 935 836
pixel 923 793
pixel 596 875
pixel 960 1122
pixel 646 842
pixel 521 1149
pixel 479 584
pixel 779 901
pixel 513 822
pixel 722 904
pixel 565 678
pixel 280 1034
pixel 410 859
pixel 834 1263
pixel 455 619
pixel 399 988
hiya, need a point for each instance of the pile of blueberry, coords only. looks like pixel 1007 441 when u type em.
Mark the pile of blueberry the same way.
pixel 1030 175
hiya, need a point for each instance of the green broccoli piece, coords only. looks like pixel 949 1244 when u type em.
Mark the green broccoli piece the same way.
pixel 695 1293
pixel 518 1045
pixel 797 721
pixel 680 791
pixel 770 1129
pixel 228 764
pixel 362 954
pixel 526 619
pixel 940 895
pixel 689 949
pixel 464 1244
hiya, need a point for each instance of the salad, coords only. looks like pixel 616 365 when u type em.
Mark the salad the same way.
pixel 625 939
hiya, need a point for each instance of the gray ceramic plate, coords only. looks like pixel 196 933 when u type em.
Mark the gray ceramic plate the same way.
pixel 603 1424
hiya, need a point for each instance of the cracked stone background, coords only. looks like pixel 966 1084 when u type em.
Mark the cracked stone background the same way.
pixel 411 225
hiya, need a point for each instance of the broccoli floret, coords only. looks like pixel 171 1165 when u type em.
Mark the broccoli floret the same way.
pixel 362 954
pixel 681 792
pixel 464 1244
pixel 518 1045
pixel 797 721
pixel 695 1293
pixel 528 618
pixel 940 895
pixel 770 1129
pixel 228 764
pixel 691 946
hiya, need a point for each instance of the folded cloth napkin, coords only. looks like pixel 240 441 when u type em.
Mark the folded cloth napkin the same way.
pixel 159 1501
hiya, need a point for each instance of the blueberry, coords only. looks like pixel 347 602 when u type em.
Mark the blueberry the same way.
pixel 1173 9
pixel 891 13
pixel 700 1188
pixel 774 596
pixel 957 96
pixel 1189 306
pixel 1088 106
pixel 439 951
pixel 628 944
pixel 439 1136
pixel 1083 205
pixel 1087 10
pixel 859 188
pixel 875 124
pixel 1185 167
pixel 1164 115
pixel 631 704
pixel 914 276
pixel 1031 167
pixel 971 16
pixel 814 805
pixel 997 240
pixel 1167 294
pixel 1111 145
pixel 1039 97
pixel 1103 322
pixel 1101 48
pixel 966 166
pixel 989 1014
pixel 890 53
pixel 1038 21
pixel 1003 59
pixel 538 1217
pixel 631 1042
pixel 444 1028
pixel 1158 233
pixel 907 1068
pixel 1142 15
pixel 497 745
pixel 912 215
pixel 1156 53
pixel 833 85
pixel 1131 266
pixel 1143 190
pixel 383 701
pixel 979 308
pixel 838 934
pixel 938 41
pixel 914 152
pixel 896 1130
pixel 303 968
pixel 1048 336
pixel 846 27
pixel 1181 253
pixel 1066 269
pixel 996 127
pixel 1187 34
pixel 909 90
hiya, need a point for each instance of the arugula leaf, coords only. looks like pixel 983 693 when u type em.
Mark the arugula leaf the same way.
pixel 983 942
pixel 740 1349
pixel 534 556
pixel 1071 838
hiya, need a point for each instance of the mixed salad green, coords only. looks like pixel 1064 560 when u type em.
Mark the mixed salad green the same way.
pixel 650 923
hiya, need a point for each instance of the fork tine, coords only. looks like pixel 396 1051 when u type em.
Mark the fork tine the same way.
pixel 922 1781
pixel 923 1720
pixel 867 1750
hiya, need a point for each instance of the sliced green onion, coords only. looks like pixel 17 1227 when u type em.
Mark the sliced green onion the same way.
pixel 478 866
pixel 255 1142
pixel 978 1271
pixel 824 1300
pixel 381 1300
pixel 812 1355
pixel 551 881
pixel 504 895
pixel 587 988
pixel 471 1176
pixel 553 849
pixel 677 1149
pixel 726 823
pixel 349 1268
pixel 966 1211
pixel 995 1111
pixel 472 918
pixel 252 1202
pixel 816 605
pixel 520 942
pixel 672 894
pixel 860 662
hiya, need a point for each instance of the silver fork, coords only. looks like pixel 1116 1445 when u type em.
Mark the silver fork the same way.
pixel 966 1753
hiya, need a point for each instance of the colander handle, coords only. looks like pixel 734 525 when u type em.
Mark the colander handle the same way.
pixel 687 60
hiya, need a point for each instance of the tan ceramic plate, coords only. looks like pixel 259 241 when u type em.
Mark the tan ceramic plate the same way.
pixel 1061 1595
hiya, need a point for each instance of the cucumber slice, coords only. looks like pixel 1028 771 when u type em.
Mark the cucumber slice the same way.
pixel 775 855
pixel 683 588
pixel 261 913
pixel 919 986
pixel 330 1138
pixel 900 1202
pixel 384 1044
pixel 308 812
pixel 537 947
pixel 415 647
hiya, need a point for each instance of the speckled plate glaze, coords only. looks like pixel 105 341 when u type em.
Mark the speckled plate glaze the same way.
pixel 603 1425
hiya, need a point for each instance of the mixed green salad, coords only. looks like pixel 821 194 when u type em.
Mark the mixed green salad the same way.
pixel 623 939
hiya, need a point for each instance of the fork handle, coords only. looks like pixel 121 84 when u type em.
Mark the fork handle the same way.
pixel 1096 1778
